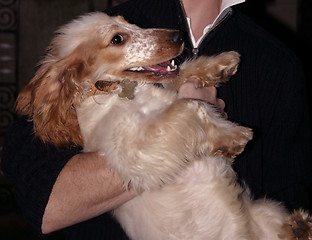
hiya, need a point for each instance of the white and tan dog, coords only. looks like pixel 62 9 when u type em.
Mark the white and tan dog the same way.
pixel 95 88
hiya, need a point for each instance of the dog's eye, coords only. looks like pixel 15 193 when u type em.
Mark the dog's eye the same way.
pixel 117 39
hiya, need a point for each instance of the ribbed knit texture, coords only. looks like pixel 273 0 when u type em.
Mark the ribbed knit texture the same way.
pixel 267 94
pixel 32 167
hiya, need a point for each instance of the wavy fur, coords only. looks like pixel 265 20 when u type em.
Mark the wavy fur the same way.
pixel 177 152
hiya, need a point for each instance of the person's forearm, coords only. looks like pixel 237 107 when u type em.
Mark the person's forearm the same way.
pixel 85 188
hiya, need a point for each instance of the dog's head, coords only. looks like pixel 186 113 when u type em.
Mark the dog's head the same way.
pixel 91 48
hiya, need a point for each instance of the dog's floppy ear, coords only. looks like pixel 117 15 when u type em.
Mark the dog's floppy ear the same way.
pixel 48 99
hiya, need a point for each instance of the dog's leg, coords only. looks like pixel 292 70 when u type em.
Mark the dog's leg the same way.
pixel 298 225
pixel 232 143
pixel 223 137
pixel 207 71
pixel 157 150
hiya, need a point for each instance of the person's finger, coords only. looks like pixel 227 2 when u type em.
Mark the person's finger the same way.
pixel 220 103
pixel 189 90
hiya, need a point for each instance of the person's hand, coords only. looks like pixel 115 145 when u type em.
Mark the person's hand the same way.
pixel 207 94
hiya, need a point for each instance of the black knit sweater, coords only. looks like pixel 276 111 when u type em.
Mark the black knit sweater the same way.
pixel 267 94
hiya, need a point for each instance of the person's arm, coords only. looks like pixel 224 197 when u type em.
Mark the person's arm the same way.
pixel 86 187
pixel 57 187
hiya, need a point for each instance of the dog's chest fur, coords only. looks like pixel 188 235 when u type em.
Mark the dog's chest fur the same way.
pixel 203 198
pixel 182 211
pixel 99 115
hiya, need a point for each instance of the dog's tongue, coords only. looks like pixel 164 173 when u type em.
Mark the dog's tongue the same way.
pixel 161 68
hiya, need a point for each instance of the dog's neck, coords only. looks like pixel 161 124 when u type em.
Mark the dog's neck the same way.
pixel 126 88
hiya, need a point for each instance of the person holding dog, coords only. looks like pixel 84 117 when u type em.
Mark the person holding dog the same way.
pixel 62 188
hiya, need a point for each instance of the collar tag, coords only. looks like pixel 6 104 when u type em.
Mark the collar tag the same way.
pixel 107 87
pixel 128 88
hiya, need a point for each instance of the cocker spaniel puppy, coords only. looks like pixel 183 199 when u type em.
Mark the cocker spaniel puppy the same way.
pixel 96 88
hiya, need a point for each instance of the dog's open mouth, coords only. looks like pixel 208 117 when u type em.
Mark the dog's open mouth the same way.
pixel 164 69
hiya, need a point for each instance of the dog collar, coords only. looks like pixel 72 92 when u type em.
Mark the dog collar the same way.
pixel 107 87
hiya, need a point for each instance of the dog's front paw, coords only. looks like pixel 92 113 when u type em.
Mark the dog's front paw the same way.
pixel 233 142
pixel 210 71
pixel 221 137
pixel 228 64
pixel 220 68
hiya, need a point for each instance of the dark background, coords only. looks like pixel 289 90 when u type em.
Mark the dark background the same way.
pixel 26 27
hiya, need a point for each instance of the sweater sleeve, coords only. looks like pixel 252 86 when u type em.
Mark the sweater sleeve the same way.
pixel 32 167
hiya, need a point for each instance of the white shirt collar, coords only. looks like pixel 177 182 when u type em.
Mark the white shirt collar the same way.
pixel 225 8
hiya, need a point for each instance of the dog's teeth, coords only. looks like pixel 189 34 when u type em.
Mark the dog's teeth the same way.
pixel 136 69
pixel 173 65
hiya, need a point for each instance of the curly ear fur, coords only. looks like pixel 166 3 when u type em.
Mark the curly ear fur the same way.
pixel 49 97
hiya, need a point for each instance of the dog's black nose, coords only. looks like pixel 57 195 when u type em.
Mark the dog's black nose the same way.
pixel 176 37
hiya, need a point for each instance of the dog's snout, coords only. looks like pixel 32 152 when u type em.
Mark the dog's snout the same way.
pixel 176 37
